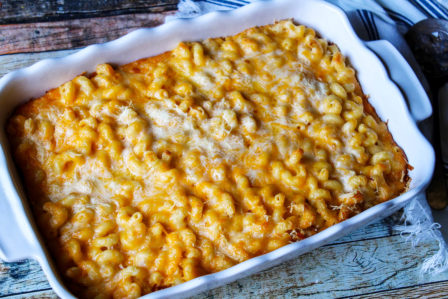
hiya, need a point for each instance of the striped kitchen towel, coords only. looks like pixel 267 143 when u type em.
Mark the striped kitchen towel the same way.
pixel 373 20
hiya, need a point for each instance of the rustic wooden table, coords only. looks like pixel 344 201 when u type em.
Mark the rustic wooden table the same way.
pixel 375 261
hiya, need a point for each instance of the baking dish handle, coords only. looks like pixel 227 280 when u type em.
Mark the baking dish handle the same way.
pixel 14 244
pixel 402 74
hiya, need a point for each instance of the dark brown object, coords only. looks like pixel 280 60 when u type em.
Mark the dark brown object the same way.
pixel 429 42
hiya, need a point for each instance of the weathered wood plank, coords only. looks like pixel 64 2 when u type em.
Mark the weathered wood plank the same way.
pixel 382 228
pixel 25 11
pixel 45 294
pixel 70 34
pixel 23 276
pixel 429 290
pixel 13 62
pixel 336 271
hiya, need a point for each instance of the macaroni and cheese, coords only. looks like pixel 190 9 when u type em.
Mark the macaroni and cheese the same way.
pixel 150 174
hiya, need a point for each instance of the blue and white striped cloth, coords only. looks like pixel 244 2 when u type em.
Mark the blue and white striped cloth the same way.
pixel 404 12
pixel 373 20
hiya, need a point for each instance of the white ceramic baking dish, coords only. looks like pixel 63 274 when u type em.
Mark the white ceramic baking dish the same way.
pixel 19 237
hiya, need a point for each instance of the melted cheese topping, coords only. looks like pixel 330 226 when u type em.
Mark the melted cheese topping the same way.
pixel 171 167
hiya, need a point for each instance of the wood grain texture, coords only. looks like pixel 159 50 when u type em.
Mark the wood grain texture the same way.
pixel 382 228
pixel 336 271
pixel 46 294
pixel 14 62
pixel 25 11
pixel 20 277
pixel 71 34
pixel 428 291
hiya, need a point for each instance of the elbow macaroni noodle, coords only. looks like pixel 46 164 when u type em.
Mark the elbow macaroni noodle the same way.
pixel 150 174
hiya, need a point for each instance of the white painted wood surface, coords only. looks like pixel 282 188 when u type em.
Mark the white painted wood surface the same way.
pixel 373 262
